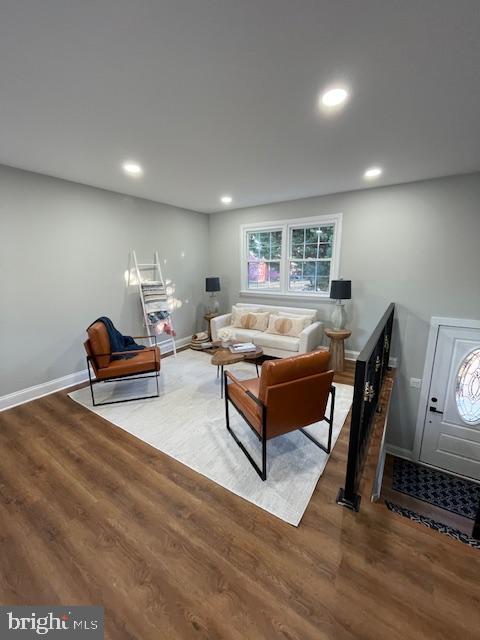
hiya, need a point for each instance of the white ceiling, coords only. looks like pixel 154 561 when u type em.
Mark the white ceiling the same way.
pixel 219 96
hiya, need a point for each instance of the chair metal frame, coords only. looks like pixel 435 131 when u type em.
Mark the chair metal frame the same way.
pixel 124 378
pixel 262 472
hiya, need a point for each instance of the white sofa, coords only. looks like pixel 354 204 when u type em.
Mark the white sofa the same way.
pixel 272 344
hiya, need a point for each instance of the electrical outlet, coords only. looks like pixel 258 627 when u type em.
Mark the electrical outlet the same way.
pixel 416 383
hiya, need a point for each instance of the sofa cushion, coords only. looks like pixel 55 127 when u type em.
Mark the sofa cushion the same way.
pixel 274 341
pixel 242 335
pixel 145 361
pixel 244 403
pixel 251 320
pixel 286 325
pixel 246 335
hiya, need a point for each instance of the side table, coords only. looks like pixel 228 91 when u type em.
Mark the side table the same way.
pixel 208 317
pixel 337 348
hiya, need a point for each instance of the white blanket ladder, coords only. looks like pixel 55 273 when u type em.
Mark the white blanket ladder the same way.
pixel 157 314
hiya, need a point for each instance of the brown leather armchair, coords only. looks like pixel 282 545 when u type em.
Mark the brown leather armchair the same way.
pixel 290 394
pixel 108 368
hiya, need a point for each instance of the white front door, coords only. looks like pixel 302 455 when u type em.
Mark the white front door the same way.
pixel 451 436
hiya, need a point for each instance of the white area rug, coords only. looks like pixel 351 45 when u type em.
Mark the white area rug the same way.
pixel 187 422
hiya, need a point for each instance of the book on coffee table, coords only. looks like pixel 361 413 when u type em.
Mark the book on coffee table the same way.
pixel 242 347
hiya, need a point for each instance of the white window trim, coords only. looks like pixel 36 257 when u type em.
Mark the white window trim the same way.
pixel 285 226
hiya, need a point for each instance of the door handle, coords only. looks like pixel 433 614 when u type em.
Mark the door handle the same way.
pixel 435 410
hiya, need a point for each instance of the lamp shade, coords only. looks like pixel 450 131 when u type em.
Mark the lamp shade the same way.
pixel 341 290
pixel 212 284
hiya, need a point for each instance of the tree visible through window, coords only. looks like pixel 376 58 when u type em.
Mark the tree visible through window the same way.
pixel 264 254
pixel 310 258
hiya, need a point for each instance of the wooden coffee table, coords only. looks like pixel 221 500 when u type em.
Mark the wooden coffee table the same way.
pixel 224 356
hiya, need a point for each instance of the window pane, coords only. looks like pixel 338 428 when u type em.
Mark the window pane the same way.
pixel 254 245
pixel 309 275
pixel 316 241
pixel 265 246
pixel 276 245
pixel 309 268
pixel 311 251
pixel 323 285
pixel 326 234
pixel 273 274
pixel 467 393
pixel 323 268
pixel 298 236
pixel 295 274
pixel 324 250
pixel 311 235
pixel 264 275
pixel 297 251
pixel 301 276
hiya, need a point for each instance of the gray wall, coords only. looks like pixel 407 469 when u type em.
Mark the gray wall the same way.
pixel 416 245
pixel 63 253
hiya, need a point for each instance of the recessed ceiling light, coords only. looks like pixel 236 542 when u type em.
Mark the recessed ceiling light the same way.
pixel 334 97
pixel 226 199
pixel 132 168
pixel 372 173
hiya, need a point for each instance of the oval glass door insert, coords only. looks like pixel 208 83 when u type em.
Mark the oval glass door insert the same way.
pixel 467 392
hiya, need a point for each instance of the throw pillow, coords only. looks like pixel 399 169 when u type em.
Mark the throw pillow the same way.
pixel 286 325
pixel 237 312
pixel 307 320
pixel 251 320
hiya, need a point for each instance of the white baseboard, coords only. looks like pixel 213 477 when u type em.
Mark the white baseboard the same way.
pixel 181 342
pixel 353 355
pixel 399 452
pixel 40 390
pixel 52 386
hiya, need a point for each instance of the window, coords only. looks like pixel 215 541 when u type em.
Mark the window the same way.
pixel 467 394
pixel 292 257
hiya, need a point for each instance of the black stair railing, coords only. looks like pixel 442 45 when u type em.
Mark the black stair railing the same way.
pixel 370 370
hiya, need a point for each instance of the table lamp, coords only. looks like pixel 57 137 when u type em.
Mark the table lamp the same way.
pixel 340 290
pixel 212 285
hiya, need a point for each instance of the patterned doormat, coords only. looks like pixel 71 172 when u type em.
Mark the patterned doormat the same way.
pixel 433 524
pixel 440 489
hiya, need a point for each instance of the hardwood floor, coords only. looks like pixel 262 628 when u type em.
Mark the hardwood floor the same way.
pixel 90 514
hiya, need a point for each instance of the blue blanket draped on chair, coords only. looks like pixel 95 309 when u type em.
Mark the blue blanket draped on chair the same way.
pixel 119 342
